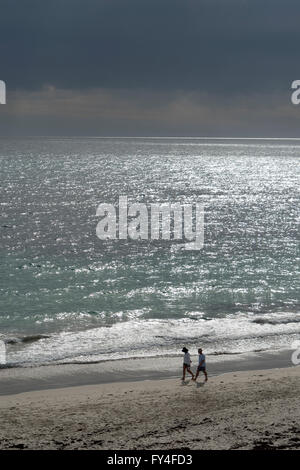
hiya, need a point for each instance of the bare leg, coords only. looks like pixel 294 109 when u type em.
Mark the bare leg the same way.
pixel 205 373
pixel 183 373
pixel 190 372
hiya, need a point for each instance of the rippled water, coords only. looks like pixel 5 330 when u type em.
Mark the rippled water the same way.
pixel 67 296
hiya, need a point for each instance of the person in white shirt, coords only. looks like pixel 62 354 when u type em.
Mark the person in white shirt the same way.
pixel 187 363
pixel 202 365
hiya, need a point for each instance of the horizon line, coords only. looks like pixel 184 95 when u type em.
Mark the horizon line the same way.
pixel 142 137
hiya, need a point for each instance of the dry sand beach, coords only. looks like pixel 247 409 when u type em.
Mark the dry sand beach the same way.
pixel 242 410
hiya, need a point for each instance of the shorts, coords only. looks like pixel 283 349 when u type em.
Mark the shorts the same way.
pixel 201 369
pixel 187 365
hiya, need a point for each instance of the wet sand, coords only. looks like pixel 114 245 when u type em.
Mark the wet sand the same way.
pixel 24 379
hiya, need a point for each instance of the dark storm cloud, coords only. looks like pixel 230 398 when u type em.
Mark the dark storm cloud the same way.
pixel 149 67
pixel 213 46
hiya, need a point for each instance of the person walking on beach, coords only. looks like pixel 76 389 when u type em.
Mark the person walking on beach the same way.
pixel 201 366
pixel 187 363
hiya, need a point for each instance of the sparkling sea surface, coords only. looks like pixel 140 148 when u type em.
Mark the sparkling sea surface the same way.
pixel 67 296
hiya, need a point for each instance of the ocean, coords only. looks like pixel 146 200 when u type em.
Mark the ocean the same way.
pixel 68 297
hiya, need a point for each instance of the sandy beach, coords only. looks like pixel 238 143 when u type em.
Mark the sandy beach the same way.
pixel 236 410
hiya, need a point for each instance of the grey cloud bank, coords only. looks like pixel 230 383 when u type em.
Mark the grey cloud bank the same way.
pixel 149 67
pixel 111 112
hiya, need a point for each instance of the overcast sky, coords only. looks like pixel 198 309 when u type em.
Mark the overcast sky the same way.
pixel 150 67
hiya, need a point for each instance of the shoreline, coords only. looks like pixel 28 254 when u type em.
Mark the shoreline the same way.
pixel 46 377
pixel 241 410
